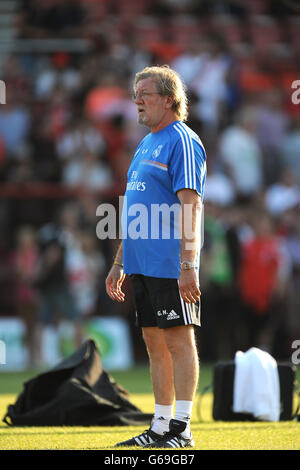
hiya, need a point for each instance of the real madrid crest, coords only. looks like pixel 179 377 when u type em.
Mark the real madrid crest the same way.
pixel 157 151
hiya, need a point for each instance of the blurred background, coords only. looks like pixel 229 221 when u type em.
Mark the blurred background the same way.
pixel 68 131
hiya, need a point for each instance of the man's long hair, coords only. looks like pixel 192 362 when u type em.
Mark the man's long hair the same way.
pixel 168 83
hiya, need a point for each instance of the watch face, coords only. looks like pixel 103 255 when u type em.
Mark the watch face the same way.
pixel 186 265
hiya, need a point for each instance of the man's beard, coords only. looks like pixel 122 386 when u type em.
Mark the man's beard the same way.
pixel 142 119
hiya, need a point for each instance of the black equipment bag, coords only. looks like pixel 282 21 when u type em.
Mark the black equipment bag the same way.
pixel 76 392
pixel 223 384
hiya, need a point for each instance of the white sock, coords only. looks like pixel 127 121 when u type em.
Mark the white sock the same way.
pixel 162 416
pixel 183 412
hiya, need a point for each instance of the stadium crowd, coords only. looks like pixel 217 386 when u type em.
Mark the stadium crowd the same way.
pixel 68 131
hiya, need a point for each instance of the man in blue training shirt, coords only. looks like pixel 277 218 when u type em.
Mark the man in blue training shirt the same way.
pixel 160 251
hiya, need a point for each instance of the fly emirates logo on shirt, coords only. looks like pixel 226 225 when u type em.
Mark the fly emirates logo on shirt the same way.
pixel 134 184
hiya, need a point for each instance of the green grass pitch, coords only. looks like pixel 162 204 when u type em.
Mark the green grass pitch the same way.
pixel 208 434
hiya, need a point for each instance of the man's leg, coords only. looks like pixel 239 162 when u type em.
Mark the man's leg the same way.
pixel 176 320
pixel 161 365
pixel 161 371
pixel 174 367
pixel 181 344
pixel 180 341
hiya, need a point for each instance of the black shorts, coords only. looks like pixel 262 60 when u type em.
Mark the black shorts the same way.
pixel 158 303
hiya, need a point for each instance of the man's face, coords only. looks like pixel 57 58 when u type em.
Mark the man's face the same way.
pixel 151 106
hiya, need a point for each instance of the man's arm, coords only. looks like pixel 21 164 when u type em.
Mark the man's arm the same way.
pixel 116 277
pixel 119 255
pixel 190 232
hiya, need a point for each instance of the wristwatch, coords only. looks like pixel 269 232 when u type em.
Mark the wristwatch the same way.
pixel 186 265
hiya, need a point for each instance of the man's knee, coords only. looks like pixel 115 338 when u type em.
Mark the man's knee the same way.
pixel 154 340
pixel 180 339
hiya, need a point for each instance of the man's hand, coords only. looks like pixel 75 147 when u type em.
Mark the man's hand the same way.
pixel 189 286
pixel 114 283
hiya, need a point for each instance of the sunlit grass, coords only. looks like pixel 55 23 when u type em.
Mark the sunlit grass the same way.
pixel 208 434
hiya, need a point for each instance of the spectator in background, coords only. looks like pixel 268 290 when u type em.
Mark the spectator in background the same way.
pixel 106 95
pixel 44 157
pixel 81 136
pixel 289 148
pixel 88 204
pixel 90 173
pixel 109 106
pixel 91 64
pixel 86 269
pixel 25 259
pixel 219 189
pixel 240 153
pixel 214 82
pixel 272 125
pixel 262 282
pixel 18 83
pixel 56 302
pixel 2 155
pixel 219 261
pixel 190 62
pixel 69 225
pixel 164 48
pixel 58 109
pixel 137 56
pixel 284 194
pixel 124 55
pixel 57 71
pixel 120 136
pixel 15 122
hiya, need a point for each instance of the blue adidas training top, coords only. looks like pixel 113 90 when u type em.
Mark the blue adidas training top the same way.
pixel 164 162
